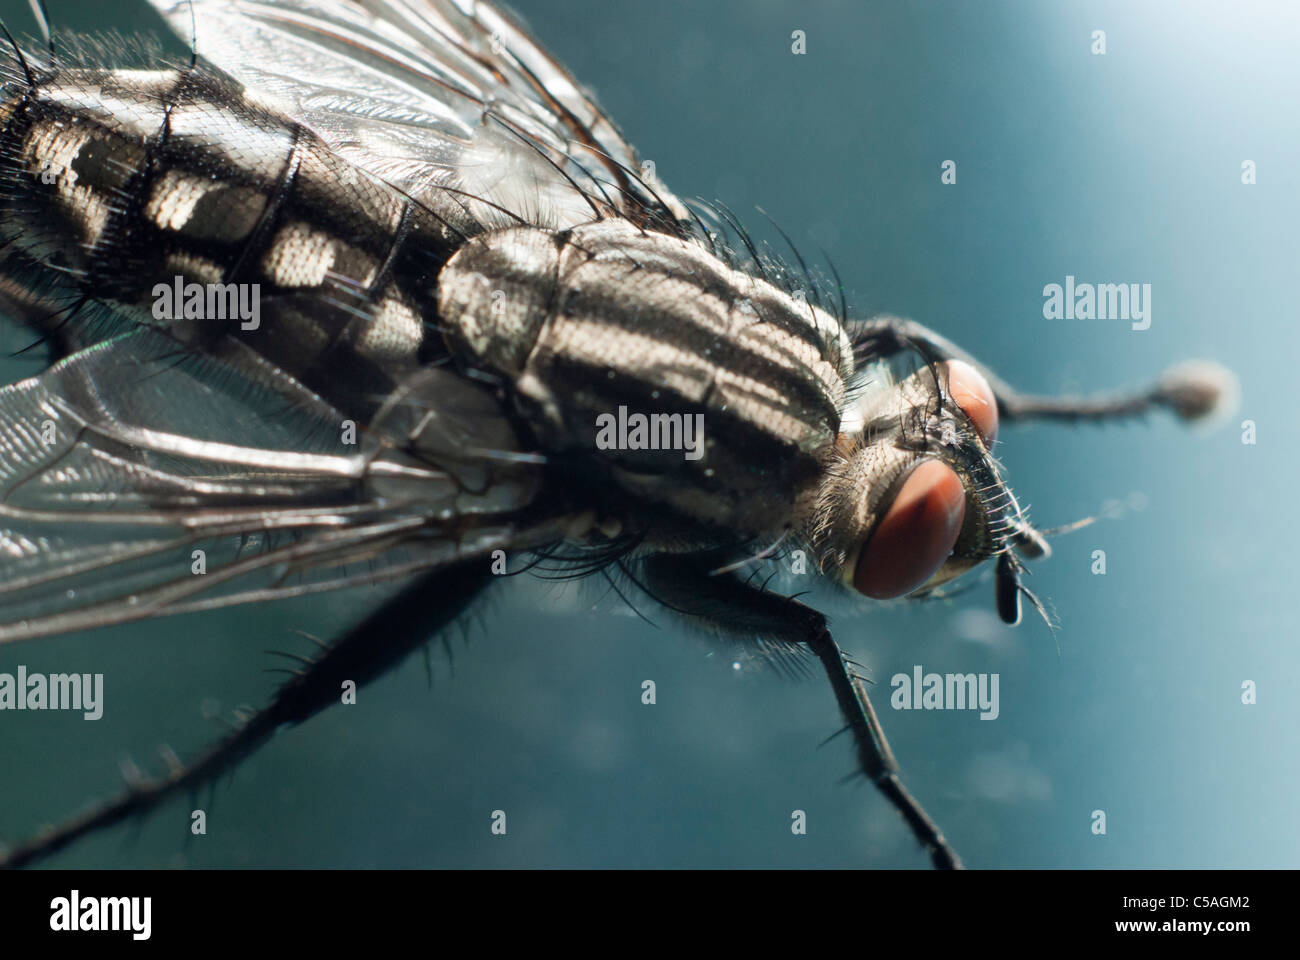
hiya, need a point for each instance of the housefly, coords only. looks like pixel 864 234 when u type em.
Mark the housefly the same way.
pixel 373 292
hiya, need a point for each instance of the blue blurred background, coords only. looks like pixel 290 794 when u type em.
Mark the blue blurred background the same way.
pixel 1122 167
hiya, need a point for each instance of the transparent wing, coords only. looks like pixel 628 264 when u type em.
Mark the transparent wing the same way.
pixel 136 480
pixel 434 94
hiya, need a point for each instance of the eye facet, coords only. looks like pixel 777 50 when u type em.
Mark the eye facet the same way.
pixel 916 534
pixel 971 391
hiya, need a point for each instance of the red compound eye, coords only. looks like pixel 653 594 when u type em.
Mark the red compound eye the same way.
pixel 916 535
pixel 973 394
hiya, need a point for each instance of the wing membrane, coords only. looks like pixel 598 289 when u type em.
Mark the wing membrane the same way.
pixel 119 463
pixel 430 94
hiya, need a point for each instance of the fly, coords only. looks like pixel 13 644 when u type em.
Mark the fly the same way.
pixel 371 291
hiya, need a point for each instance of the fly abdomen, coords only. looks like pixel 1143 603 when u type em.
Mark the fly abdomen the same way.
pixel 170 193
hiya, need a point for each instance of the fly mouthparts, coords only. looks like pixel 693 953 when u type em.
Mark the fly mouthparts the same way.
pixel 1032 543
pixel 1008 590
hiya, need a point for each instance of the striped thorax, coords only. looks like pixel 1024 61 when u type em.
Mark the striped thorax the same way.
pixel 607 320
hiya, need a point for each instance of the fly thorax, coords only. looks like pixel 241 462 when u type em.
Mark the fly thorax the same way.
pixel 689 382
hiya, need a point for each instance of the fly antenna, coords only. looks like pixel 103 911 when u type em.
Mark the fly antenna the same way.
pixel 43 20
pixel 1032 543
pixel 1071 527
pixel 1110 510
pixel 1009 590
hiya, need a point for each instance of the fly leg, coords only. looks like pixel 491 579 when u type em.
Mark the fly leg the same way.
pixel 377 643
pixel 874 756
pixel 735 609
pixel 1191 390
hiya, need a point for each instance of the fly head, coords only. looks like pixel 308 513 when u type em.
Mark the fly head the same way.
pixel 914 497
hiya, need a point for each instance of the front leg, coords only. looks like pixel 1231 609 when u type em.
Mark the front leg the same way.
pixel 1190 390
pixel 736 609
